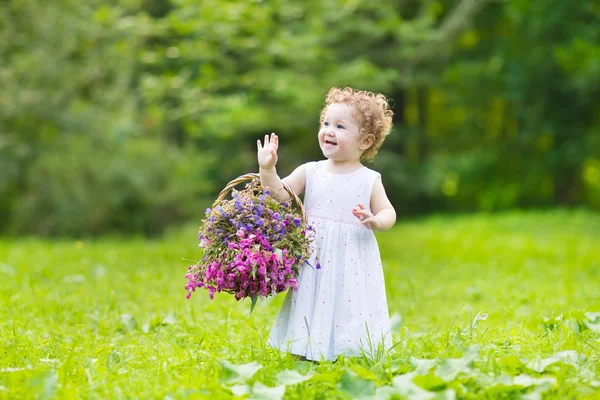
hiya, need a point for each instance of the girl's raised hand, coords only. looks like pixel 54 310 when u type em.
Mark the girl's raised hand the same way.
pixel 366 217
pixel 267 152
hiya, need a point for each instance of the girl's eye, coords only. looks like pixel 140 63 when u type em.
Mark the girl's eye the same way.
pixel 326 123
pixel 340 127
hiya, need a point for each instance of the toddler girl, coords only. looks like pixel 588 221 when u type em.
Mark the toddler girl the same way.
pixel 340 306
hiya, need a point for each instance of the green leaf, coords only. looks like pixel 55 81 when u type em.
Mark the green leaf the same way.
pixel 384 393
pixel 291 377
pixel 279 254
pixel 423 366
pixel 254 299
pixel 449 368
pixel 240 390
pixel 593 321
pixel 232 373
pixel 430 382
pixel 355 386
pixel 261 391
pixel 568 357
pixel 524 381
pixel 593 317
pixel 448 394
pixel 405 386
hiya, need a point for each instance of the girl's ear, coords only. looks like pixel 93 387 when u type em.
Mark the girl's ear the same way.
pixel 367 142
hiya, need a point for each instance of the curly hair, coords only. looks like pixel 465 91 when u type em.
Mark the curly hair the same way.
pixel 372 112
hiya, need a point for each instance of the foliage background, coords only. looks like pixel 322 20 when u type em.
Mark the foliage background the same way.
pixel 130 115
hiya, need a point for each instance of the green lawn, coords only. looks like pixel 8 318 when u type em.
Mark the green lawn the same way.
pixel 109 319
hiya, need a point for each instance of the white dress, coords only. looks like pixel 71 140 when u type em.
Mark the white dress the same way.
pixel 341 307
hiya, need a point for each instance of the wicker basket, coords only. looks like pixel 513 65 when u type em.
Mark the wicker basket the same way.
pixel 253 176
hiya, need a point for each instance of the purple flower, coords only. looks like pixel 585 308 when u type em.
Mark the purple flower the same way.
pixel 211 291
pixel 208 211
pixel 239 247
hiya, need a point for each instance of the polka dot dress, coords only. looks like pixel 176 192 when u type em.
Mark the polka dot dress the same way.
pixel 341 307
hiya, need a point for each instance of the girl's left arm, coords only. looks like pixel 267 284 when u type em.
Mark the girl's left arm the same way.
pixel 382 215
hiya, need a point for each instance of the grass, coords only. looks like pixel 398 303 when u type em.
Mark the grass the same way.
pixel 484 306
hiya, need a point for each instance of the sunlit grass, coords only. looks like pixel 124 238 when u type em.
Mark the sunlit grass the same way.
pixel 108 318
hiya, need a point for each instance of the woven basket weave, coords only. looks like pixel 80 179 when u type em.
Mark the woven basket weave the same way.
pixel 249 177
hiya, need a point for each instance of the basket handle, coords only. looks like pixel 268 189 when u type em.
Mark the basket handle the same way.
pixel 253 176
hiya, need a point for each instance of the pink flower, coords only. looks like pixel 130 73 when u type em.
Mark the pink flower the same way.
pixel 241 233
pixel 239 240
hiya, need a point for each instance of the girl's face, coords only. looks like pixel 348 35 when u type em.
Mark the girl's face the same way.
pixel 339 136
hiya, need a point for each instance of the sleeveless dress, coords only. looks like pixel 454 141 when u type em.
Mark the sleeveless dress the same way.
pixel 340 308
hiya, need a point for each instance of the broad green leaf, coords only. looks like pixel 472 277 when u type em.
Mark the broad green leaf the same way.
pixel 593 321
pixel 449 368
pixel 430 382
pixel 568 357
pixel 364 373
pixel 384 393
pixel 593 317
pixel 405 386
pixel 260 391
pixel 240 390
pixel 448 394
pixel 423 366
pixel 291 377
pixel 240 373
pixel 523 380
pixel 356 386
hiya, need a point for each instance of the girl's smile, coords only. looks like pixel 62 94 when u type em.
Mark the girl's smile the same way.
pixel 339 134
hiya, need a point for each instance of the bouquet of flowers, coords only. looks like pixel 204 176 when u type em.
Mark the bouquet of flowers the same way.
pixel 253 245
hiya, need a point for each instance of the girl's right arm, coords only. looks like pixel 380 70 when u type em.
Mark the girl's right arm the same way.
pixel 267 159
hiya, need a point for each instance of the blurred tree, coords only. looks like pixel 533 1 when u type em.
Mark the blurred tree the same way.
pixel 495 102
pixel 69 114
